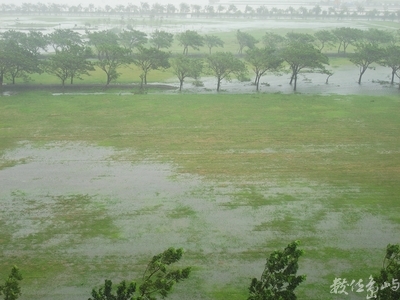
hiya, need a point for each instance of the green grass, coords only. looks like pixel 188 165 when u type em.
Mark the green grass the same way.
pixel 297 159
pixel 341 135
pixel 303 157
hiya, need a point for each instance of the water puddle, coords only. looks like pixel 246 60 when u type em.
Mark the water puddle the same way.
pixel 342 82
pixel 78 202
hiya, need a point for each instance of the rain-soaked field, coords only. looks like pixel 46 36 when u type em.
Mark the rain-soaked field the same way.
pixel 93 185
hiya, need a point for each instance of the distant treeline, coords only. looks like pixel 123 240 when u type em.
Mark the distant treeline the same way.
pixel 75 54
pixel 329 9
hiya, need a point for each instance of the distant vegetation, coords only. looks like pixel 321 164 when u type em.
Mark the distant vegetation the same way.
pixel 75 55
pixel 329 10
pixel 278 280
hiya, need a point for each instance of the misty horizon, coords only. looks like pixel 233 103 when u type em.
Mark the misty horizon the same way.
pixel 164 2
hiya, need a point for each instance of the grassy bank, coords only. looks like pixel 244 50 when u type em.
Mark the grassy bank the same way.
pixel 321 169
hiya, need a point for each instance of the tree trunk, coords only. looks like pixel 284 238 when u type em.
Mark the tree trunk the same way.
pixel 218 83
pixel 362 71
pixel 295 82
pixel 345 47
pixel 1 79
pixel 257 82
pixel 141 81
pixel 340 45
pixel 393 73
pixel 180 84
pixel 291 78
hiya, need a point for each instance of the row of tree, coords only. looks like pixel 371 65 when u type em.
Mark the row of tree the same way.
pixel 144 8
pixel 73 55
pixel 277 282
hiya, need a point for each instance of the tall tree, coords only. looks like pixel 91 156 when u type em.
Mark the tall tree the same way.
pixel 11 289
pixel 132 38
pixel 161 39
pixel 21 62
pixel 303 57
pixel 110 56
pixel 212 41
pixel 62 39
pixel 273 40
pixel 20 58
pixel 364 56
pixel 184 8
pixel 261 61
pixel 36 41
pixel 148 59
pixel 158 279
pixel 389 274
pixel 325 37
pixel 391 59
pixel 184 66
pixel 347 36
pixel 223 65
pixel 378 37
pixel 279 278
pixel 304 38
pixel 70 63
pixel 190 38
pixel 245 40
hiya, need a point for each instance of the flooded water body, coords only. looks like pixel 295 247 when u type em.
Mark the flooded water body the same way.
pixel 94 214
pixel 81 204
pixel 344 81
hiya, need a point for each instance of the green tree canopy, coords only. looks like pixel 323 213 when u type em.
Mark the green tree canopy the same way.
pixel 62 39
pixel 11 288
pixel 390 273
pixel 132 38
pixel 273 40
pixel 324 37
pixel 263 60
pixel 223 65
pixel 295 37
pixel 18 59
pixel 303 57
pixel 110 56
pixel 347 36
pixel 190 38
pixel 158 279
pixel 245 39
pixel 364 56
pixel 378 37
pixel 70 63
pixel 35 41
pixel 161 39
pixel 150 59
pixel 279 278
pixel 391 59
pixel 212 41
pixel 184 66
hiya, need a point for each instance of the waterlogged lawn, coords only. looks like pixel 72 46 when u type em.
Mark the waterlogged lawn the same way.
pixel 93 186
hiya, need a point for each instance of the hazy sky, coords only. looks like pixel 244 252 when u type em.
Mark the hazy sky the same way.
pixel 137 2
pixel 104 2
pixel 238 3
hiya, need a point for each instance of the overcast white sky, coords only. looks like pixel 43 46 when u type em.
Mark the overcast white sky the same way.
pixel 104 2
pixel 137 2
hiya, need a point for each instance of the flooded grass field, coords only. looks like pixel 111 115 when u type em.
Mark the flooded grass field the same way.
pixel 94 185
